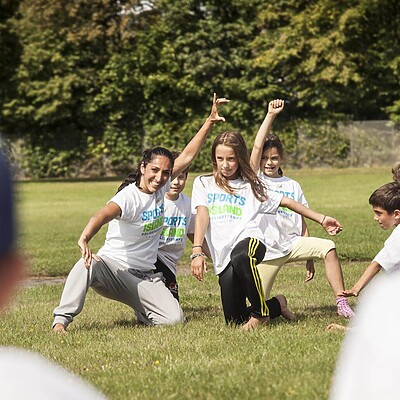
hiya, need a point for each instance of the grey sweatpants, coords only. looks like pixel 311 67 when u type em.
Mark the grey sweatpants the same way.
pixel 145 292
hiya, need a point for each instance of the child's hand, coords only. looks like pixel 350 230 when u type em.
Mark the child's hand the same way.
pixel 331 225
pixel 310 270
pixel 275 106
pixel 199 266
pixel 214 117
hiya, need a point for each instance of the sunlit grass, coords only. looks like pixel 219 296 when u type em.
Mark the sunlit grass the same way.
pixel 204 358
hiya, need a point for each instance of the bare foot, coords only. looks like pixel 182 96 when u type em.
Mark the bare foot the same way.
pixel 336 327
pixel 59 329
pixel 254 323
pixel 286 313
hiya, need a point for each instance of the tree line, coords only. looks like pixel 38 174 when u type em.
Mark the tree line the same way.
pixel 86 86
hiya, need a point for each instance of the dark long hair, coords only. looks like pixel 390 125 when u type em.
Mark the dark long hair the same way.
pixel 273 141
pixel 237 143
pixel 147 156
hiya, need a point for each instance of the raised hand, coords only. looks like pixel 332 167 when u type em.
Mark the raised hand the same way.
pixel 276 106
pixel 214 116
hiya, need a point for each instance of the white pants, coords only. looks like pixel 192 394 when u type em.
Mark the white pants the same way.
pixel 145 292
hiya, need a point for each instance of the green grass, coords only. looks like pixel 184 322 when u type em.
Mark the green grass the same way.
pixel 202 359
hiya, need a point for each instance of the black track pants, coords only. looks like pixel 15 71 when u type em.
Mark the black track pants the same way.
pixel 241 280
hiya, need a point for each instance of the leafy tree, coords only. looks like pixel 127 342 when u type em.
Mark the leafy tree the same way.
pixel 65 46
pixel 10 50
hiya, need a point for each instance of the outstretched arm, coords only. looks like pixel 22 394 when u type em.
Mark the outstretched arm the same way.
pixel 274 108
pixel 373 269
pixel 191 150
pixel 102 217
pixel 331 225
pixel 199 263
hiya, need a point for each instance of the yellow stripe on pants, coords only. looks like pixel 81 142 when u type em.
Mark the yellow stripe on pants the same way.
pixel 253 245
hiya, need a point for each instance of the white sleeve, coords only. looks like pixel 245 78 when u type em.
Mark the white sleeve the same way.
pixel 125 200
pixel 199 193
pixel 271 205
pixel 301 198
pixel 388 258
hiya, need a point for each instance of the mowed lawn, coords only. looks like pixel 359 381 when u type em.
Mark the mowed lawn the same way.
pixel 202 359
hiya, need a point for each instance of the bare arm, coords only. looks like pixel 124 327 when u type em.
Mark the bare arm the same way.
pixel 331 225
pixel 204 247
pixel 373 269
pixel 309 263
pixel 102 217
pixel 191 150
pixel 274 108
pixel 202 220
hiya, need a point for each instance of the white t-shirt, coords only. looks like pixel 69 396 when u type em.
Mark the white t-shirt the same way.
pixel 368 366
pixel 27 375
pixel 132 239
pixel 389 257
pixel 282 231
pixel 232 216
pixel 178 222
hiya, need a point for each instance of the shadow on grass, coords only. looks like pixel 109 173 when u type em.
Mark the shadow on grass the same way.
pixel 197 313
pixel 321 311
pixel 100 326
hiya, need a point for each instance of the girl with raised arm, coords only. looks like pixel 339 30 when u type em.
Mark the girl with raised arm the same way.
pixel 227 205
pixel 286 234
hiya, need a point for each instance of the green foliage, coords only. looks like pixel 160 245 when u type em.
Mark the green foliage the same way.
pixel 132 73
pixel 45 163
pixel 321 145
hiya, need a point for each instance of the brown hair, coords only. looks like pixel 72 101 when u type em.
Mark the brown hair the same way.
pixel 273 141
pixel 387 197
pixel 235 140
pixel 396 172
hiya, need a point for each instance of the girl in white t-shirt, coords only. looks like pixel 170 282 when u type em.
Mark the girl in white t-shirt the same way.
pixel 286 234
pixel 123 269
pixel 227 204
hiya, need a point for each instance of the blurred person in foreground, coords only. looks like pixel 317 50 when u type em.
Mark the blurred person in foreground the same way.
pixel 368 366
pixel 23 373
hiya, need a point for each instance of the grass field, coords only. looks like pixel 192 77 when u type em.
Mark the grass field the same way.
pixel 203 359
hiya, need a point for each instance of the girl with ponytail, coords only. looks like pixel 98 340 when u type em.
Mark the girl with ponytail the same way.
pixel 286 234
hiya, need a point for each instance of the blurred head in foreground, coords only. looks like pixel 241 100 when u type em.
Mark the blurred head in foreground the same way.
pixel 12 263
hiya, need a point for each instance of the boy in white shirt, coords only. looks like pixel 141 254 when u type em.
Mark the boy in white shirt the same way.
pixel 385 202
pixel 178 224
